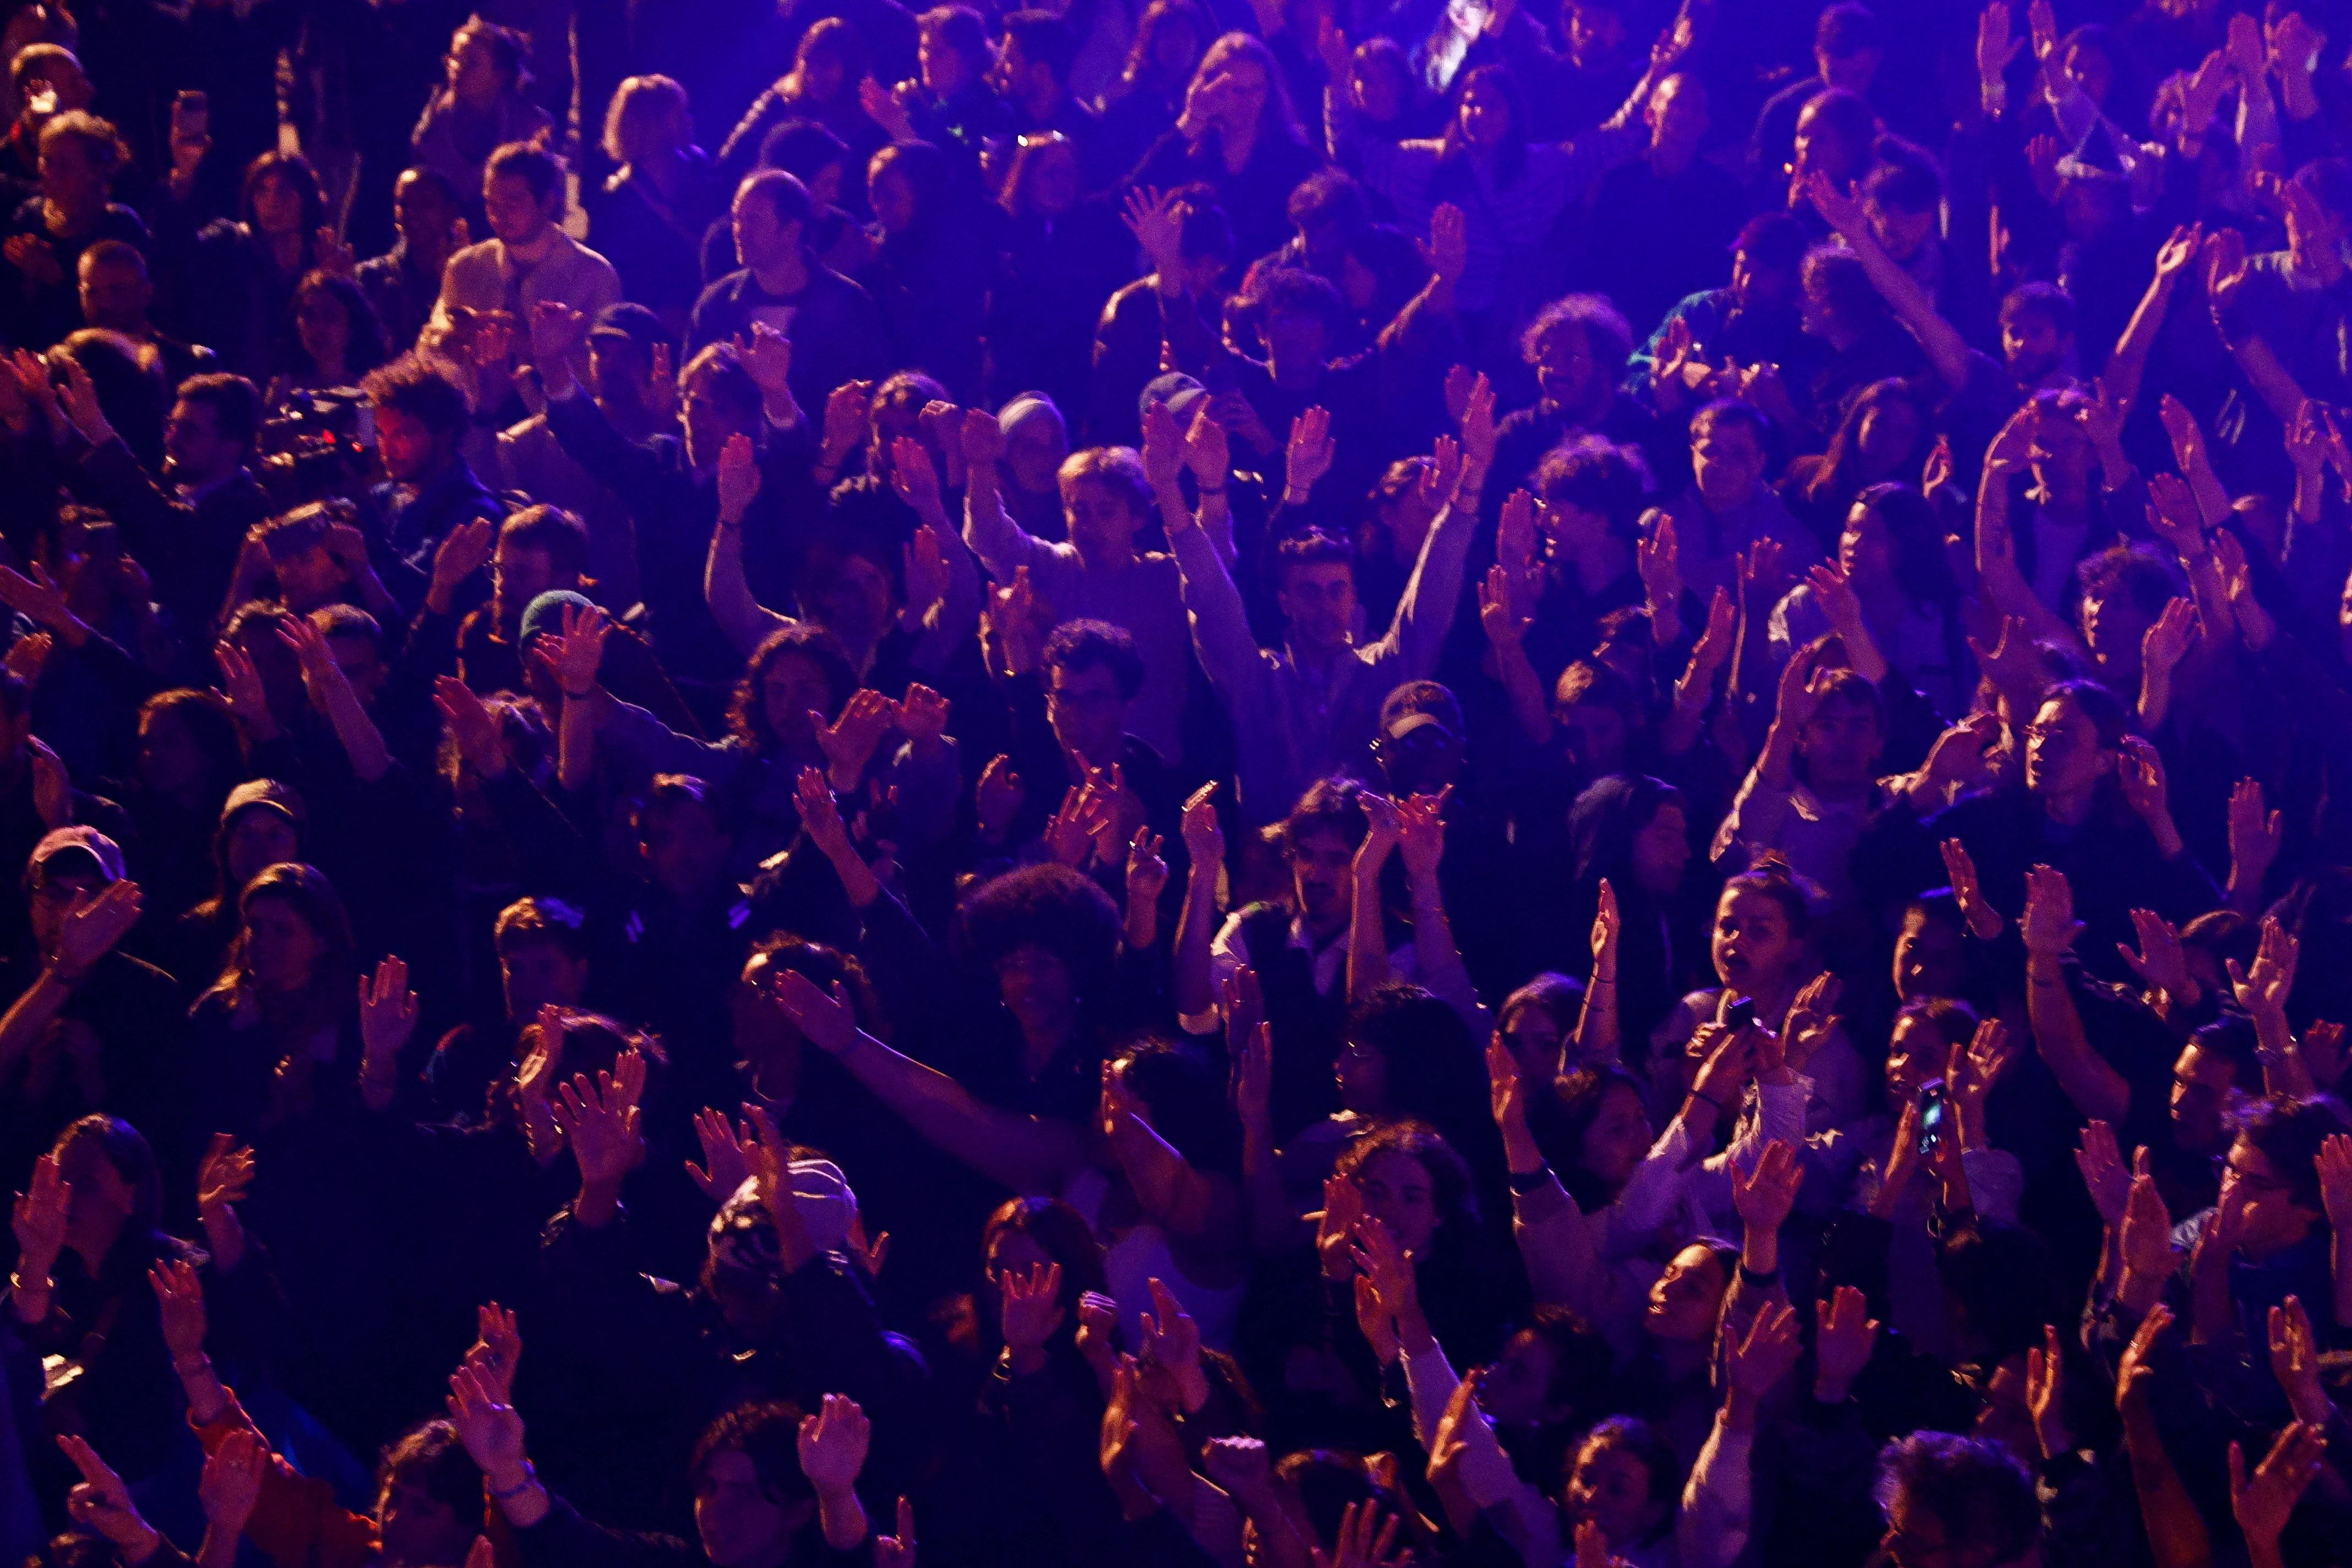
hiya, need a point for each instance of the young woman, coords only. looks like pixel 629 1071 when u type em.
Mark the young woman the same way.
pixel 479 108
pixel 821 89
pixel 1898 574
pixel 1883 435
pixel 660 200
pixel 1140 107
pixel 245 270
pixel 932 299
pixel 338 338
pixel 277 1034
pixel 1061 258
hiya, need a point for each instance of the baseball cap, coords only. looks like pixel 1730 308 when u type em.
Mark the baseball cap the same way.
pixel 92 848
pixel 267 793
pixel 633 322
pixel 1183 393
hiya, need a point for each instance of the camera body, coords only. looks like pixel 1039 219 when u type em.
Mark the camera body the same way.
pixel 320 445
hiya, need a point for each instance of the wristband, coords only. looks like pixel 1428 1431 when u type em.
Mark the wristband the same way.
pixel 1763 1280
pixel 1208 490
pixel 530 1480
pixel 1701 1094
pixel 1523 1184
pixel 578 696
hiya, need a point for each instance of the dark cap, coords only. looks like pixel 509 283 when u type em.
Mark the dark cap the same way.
pixel 633 322
pixel 267 793
pixel 1183 393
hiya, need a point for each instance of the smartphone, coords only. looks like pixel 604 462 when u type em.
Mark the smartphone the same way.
pixel 192 113
pixel 1934 1117
pixel 1742 1014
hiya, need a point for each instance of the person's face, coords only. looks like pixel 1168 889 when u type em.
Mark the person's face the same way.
pixel 1618 1139
pixel 410 449
pixel 893 196
pixel 1399 1193
pixel 1595 30
pixel 2063 756
pixel 1101 521
pixel 1889 435
pixel 824 185
pixel 1901 232
pixel 1422 760
pixel 739 1523
pixel 1246 93
pixel 759 239
pixel 310 578
pixel 1594 737
pixel 535 973
pixel 1517 1390
pixel 170 760
pixel 2114 625
pixel 517 215
pixel 2201 1082
pixel 473 70
pixel 1296 338
pixel 1379 89
pixel 1364 1075
pixel 1854 72
pixel 1053 180
pixel 2273 1220
pixel 1916 1538
pixel 1840 743
pixel 1033 451
pixel 1821 149
pixel 320 321
pixel 944 70
pixel 114 295
pixel 1661 852
pixel 794 687
pixel 57 894
pixel 686 854
pixel 1566 373
pixel 426 220
pixel 822 76
pixel 1039 991
pixel 1866 550
pixel 2032 347
pixel 1684 1301
pixel 1914 1056
pixel 1759 287
pixel 519 573
pixel 277 205
pixel 1728 460
pixel 417 1528
pixel 1930 959
pixel 261 836
pixel 1319 600
pixel 2090 69
pixel 1088 715
pixel 857 602
pixel 361 664
pixel 280 946
pixel 1322 876
pixel 70 174
pixel 1754 949
pixel 1610 1487
pixel 1676 115
pixel 709 419
pixel 619 369
pixel 1485 115
pixel 1534 1036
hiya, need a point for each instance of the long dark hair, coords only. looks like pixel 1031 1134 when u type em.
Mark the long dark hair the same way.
pixel 1510 159
pixel 1839 478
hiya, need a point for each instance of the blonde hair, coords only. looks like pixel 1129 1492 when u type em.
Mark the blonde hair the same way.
pixel 645 108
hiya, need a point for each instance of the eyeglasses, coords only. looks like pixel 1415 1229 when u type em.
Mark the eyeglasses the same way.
pixel 1032 139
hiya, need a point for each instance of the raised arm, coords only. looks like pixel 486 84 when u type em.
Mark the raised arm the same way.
pixel 2049 929
pixel 1454 481
pixel 1947 351
pixel 745 622
pixel 1438 961
pixel 1204 844
pixel 1367 947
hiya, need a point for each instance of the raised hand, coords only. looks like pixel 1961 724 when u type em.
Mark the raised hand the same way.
pixel 1754 1367
pixel 1844 1335
pixel 1448 251
pixel 1506 625
pixel 827 1019
pixel 767 354
pixel 2295 1362
pixel 575 654
pixel 833 1445
pixel 997 798
pixel 497 1352
pixel 557 332
pixel 1146 873
pixel 2145 1237
pixel 1335 1229
pixel 1154 217
pixel 1421 834
pixel 1207 452
pixel 1606 926
pixel 844 422
pixel 738 478
pixel 1171 1341
pixel 2104 1172
pixel 39 1219
pixel 180 1304
pixel 2049 926
pixel 91 930
pixel 601 1122
pixel 2256 835
pixel 1309 454
pixel 102 1504
pixel 1765 1196
pixel 1029 1310
pixel 231 1482
pixel 2045 1387
pixel 849 742
pixel 929 576
pixel 2263 1501
pixel 916 480
pixel 898 1551
pixel 490 1428
pixel 1204 836
pixel 2336 1180
pixel 726 1158
pixel 1366 1538
pixel 2134 1377
pixel 387 1018
pixel 1984 921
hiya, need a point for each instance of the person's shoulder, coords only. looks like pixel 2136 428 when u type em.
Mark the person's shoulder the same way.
pixel 840 285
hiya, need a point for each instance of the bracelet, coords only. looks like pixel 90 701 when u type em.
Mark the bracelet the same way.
pixel 1701 1094
pixel 1761 1280
pixel 579 696
pixel 530 1480
pixel 187 1369
pixel 1524 1183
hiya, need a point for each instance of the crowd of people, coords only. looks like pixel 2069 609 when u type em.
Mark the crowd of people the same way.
pixel 1303 785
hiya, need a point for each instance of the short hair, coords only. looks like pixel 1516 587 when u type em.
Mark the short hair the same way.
pixel 348 621
pixel 235 402
pixel 1955 1023
pixel 1773 880
pixel 1088 645
pixel 1333 805
pixel 1734 413
pixel 1774 239
pixel 424 387
pixel 509 46
pixel 430 1458
pixel 1908 184
pixel 2135 571
pixel 636 111
pixel 538 918
pixel 731 382
pixel 2047 301
pixel 1839 277
pixel 551 529
pixel 1118 468
pixel 1294 291
pixel 1328 197
pixel 2288 1133
pixel 1976 1489
pixel 1606 336
pixel 1584 681
pixel 1845 29
pixel 665 797
pixel 767 1433
pixel 1427 1048
pixel 105 146
pixel 1593 473
pixel 1850 685
pixel 534 165
pixel 2231 1039
pixel 1311 547
pixel 1048 906
pixel 1044 39
pixel 1847 115
pixel 962 29
pixel 802 148
pixel 115 253
pixel 1062 1234
pixel 786 196
pixel 1203 232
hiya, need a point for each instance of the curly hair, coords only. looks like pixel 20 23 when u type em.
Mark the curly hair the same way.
pixel 747 712
pixel 1048 906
